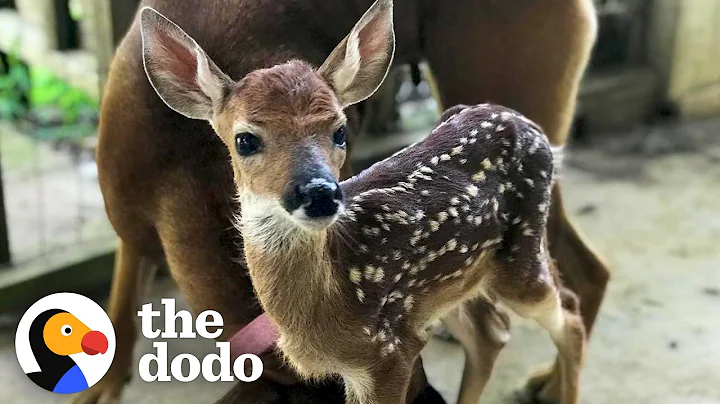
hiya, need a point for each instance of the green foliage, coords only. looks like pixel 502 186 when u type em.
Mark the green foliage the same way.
pixel 60 109
pixel 49 91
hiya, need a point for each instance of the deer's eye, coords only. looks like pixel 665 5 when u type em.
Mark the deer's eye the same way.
pixel 247 144
pixel 340 135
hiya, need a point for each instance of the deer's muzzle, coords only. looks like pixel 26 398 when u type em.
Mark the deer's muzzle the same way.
pixel 317 198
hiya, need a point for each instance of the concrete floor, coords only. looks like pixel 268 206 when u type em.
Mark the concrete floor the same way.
pixel 649 201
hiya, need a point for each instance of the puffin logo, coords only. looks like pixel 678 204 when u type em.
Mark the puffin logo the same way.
pixel 65 343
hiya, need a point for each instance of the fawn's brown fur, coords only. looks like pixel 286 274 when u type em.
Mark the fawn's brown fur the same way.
pixel 459 216
pixel 168 186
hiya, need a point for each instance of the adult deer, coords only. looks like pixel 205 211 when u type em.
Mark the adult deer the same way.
pixel 168 186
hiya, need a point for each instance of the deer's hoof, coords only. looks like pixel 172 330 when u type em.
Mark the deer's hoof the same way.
pixel 438 330
pixel 541 388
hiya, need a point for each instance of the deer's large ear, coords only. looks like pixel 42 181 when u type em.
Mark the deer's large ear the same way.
pixel 182 74
pixel 359 64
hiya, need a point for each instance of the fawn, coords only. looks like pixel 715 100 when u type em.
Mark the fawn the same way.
pixel 351 273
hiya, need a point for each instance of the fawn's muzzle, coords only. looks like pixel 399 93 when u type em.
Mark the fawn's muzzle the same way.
pixel 317 198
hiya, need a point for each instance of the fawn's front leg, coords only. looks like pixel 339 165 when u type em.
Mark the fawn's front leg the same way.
pixel 483 331
pixel 387 382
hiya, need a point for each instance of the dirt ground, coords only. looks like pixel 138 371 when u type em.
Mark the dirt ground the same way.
pixel 649 202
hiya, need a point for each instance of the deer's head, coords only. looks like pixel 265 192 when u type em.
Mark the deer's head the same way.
pixel 284 125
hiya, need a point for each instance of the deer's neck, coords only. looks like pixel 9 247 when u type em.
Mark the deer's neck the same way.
pixel 291 269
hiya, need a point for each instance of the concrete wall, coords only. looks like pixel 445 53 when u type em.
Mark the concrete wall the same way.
pixel 684 46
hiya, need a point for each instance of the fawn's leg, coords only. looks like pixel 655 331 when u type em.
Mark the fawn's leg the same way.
pixel 483 331
pixel 584 273
pixel 388 381
pixel 131 280
pixel 529 57
pixel 529 285
pixel 565 326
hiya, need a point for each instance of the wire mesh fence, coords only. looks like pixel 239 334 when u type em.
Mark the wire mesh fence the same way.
pixel 52 198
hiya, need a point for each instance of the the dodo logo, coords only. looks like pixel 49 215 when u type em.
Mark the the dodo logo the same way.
pixel 65 343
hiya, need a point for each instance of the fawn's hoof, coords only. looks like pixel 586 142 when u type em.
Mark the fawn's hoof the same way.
pixel 543 387
pixel 438 330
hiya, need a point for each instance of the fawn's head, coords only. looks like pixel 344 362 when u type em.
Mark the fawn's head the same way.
pixel 284 125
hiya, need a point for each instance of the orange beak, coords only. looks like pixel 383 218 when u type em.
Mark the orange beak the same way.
pixel 94 342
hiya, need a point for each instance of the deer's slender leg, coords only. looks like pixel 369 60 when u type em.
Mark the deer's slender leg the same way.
pixel 388 381
pixel 584 273
pixel 482 330
pixel 558 314
pixel 131 279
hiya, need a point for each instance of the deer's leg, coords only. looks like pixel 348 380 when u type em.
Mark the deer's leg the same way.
pixel 529 57
pixel 556 310
pixel 582 272
pixel 563 322
pixel 132 277
pixel 389 378
pixel 483 331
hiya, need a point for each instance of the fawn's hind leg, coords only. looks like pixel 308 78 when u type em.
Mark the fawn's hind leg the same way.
pixel 483 331
pixel 556 310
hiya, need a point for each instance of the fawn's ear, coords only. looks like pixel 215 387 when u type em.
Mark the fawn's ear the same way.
pixel 179 70
pixel 359 64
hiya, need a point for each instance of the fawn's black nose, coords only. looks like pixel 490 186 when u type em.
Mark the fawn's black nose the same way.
pixel 317 198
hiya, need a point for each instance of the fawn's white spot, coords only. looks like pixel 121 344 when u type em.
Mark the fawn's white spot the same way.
pixel 442 216
pixel 355 275
pixel 479 176
pixel 409 301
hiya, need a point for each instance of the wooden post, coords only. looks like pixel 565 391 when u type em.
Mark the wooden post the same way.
pixel 108 21
pixel 97 24
pixel 4 238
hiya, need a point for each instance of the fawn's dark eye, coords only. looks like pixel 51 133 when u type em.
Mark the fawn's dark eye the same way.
pixel 339 137
pixel 247 144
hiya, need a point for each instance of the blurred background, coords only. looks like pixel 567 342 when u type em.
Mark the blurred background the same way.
pixel 643 183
